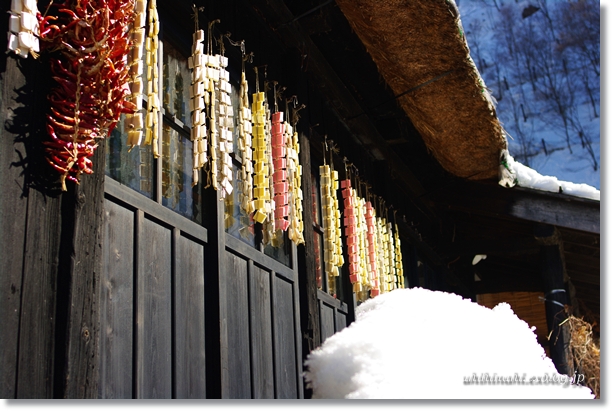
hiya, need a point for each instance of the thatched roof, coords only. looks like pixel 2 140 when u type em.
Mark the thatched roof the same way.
pixel 420 50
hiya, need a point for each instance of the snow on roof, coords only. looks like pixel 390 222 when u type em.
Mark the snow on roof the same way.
pixel 421 344
pixel 515 173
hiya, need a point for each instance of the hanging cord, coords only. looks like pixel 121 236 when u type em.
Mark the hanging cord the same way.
pixel 274 84
pixel 324 149
pixel 209 43
pixel 195 15
pixel 256 70
pixel 222 44
pixel 295 116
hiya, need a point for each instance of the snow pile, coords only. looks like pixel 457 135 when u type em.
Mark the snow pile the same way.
pixel 528 177
pixel 422 344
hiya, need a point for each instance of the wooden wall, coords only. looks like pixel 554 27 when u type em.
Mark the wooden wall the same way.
pixel 50 250
pixel 152 343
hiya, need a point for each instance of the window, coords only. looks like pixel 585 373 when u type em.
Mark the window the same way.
pixel 167 179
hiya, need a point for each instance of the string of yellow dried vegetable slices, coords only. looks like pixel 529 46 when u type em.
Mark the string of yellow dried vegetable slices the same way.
pixel 245 128
pixel 153 106
pixel 399 265
pixel 383 262
pixel 384 254
pixel 261 182
pixel 133 124
pixel 294 169
pixel 393 283
pixel 332 241
pixel 363 285
pixel 270 236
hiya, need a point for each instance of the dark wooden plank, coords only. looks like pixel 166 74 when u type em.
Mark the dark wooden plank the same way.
pixel 13 208
pixel 37 327
pixel 86 208
pixel 153 316
pixel 261 333
pixel 150 207
pixel 340 320
pixel 521 203
pixel 285 360
pixel 237 300
pixel 189 335
pixel 116 303
pixel 309 309
pixel 297 329
pixel 328 326
pixel 259 258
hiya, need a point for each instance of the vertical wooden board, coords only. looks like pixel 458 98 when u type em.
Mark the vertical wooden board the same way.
pixel 340 320
pixel 153 317
pixel 116 303
pixel 189 349
pixel 284 340
pixel 13 207
pixel 82 325
pixel 261 334
pixel 237 309
pixel 37 322
pixel 327 321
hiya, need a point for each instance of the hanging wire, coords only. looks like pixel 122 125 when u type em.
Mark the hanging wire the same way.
pixel 209 43
pixel 195 15
pixel 256 70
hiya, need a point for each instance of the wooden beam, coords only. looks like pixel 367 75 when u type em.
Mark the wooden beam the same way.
pixel 520 203
pixel 500 246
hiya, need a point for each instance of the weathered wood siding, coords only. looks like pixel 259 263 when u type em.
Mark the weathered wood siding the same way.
pixel 152 301
pixel 261 342
pixel 47 294
pixel 333 315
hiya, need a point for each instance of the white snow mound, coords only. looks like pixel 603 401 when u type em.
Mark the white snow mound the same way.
pixel 422 344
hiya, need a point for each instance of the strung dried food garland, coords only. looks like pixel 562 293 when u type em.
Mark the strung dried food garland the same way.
pixel 279 164
pixel 225 116
pixel 245 146
pixel 332 240
pixel 153 105
pixel 261 180
pixel 294 178
pixel 89 47
pixel 269 225
pixel 23 28
pixel 134 124
pixel 197 105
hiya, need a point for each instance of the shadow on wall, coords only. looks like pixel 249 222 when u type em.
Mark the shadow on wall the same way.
pixel 25 119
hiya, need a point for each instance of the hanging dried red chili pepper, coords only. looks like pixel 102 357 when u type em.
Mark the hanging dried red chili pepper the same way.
pixel 89 42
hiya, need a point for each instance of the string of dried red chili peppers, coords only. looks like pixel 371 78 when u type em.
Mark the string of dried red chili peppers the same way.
pixel 89 41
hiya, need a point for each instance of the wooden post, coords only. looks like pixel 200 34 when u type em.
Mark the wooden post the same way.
pixel 553 277
pixel 309 310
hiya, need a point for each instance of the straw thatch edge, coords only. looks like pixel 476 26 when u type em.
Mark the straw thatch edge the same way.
pixel 421 52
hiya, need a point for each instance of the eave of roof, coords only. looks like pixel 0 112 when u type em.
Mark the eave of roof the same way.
pixel 421 52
